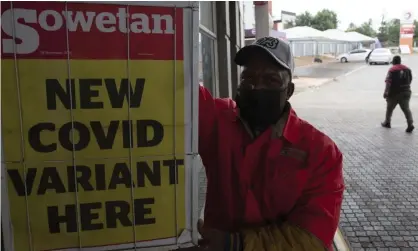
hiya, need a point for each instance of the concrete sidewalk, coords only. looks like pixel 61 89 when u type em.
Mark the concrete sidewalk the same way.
pixel 303 84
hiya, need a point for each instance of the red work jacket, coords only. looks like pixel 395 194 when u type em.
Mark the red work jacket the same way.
pixel 291 172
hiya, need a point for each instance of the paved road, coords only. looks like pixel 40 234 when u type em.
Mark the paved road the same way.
pixel 380 210
pixel 328 70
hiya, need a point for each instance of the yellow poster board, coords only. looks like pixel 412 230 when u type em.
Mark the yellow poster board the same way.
pixel 93 124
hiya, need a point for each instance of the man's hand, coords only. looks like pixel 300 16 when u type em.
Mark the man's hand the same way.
pixel 213 239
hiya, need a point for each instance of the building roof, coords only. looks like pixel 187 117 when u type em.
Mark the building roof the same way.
pixel 304 32
pixel 360 37
pixel 338 35
pixel 351 36
pixel 309 33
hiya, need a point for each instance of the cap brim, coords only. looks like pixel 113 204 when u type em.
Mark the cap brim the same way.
pixel 245 54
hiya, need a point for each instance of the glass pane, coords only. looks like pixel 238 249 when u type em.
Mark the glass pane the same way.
pixel 206 14
pixel 206 62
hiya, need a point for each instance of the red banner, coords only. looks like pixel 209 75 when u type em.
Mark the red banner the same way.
pixel 258 3
pixel 407 30
pixel 40 30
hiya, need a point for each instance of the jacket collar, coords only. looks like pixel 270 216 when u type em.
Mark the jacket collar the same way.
pixel 287 126
pixel 398 67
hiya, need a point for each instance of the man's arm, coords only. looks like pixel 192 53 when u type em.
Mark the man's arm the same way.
pixel 207 120
pixel 283 237
pixel 388 82
pixel 313 222
pixel 410 76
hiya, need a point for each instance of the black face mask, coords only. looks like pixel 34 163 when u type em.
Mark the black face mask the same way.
pixel 260 108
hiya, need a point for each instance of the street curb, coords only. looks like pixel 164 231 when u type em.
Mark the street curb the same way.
pixel 309 65
pixel 334 79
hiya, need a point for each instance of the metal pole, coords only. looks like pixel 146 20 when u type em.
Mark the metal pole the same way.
pixel 262 16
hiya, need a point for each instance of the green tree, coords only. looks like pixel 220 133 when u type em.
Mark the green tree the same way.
pixel 289 24
pixel 351 27
pixel 382 34
pixel 389 32
pixel 416 31
pixel 366 28
pixel 304 19
pixel 324 20
pixel 393 30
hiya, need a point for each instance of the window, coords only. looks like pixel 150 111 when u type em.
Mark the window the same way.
pixel 207 46
pixel 206 14
pixel 207 62
pixel 208 76
pixel 381 51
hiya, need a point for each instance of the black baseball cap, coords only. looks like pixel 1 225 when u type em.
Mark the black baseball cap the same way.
pixel 278 49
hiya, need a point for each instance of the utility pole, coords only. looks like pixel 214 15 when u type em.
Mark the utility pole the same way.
pixel 262 12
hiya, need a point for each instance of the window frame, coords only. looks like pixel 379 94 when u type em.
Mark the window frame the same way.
pixel 356 51
pixel 214 23
pixel 204 31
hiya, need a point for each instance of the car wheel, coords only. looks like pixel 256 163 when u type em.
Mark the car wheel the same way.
pixel 343 60
pixel 370 63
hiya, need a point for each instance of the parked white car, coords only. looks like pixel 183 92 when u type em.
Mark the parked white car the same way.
pixel 380 56
pixel 353 56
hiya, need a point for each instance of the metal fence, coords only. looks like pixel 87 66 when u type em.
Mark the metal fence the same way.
pixel 302 48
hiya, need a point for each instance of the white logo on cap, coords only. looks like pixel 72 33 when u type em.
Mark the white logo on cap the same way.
pixel 268 42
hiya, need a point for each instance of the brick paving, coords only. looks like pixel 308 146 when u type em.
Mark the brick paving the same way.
pixel 380 209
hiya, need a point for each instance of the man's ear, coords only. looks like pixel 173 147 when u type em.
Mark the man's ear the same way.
pixel 290 90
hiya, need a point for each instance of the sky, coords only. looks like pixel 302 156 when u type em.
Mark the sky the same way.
pixel 356 11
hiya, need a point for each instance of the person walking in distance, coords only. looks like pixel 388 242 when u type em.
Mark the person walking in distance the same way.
pixel 398 91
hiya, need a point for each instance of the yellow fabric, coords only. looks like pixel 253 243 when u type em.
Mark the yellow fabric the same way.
pixel 280 238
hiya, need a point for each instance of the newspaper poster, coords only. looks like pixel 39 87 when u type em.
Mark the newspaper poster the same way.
pixel 93 125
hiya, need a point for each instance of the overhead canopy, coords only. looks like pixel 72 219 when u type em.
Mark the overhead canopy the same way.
pixel 278 34
pixel 340 35
pixel 360 37
pixel 303 32
pixel 309 33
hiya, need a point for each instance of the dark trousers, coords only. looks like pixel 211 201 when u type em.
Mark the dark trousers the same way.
pixel 402 99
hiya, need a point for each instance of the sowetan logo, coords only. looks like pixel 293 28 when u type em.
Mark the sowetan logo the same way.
pixel 16 23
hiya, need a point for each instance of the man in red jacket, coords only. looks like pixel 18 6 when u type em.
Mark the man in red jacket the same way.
pixel 274 182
